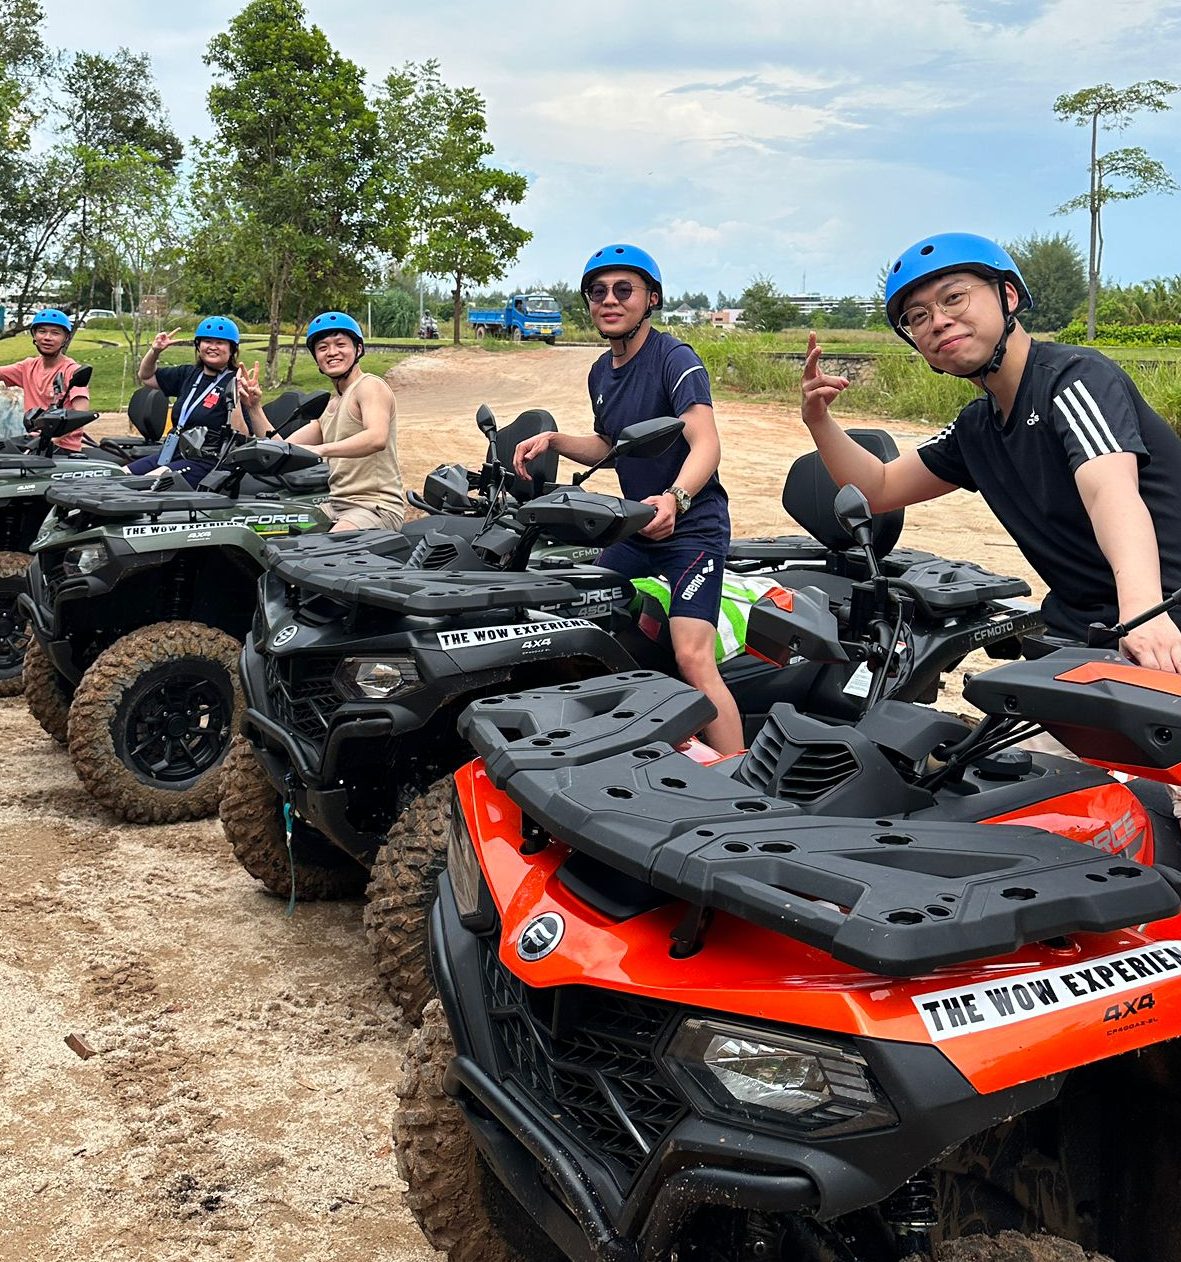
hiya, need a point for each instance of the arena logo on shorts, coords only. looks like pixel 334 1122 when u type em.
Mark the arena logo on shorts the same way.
pixel 694 584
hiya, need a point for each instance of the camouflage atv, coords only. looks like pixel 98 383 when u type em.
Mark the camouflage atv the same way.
pixel 138 599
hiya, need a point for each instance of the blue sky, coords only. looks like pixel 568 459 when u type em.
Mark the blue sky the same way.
pixel 755 136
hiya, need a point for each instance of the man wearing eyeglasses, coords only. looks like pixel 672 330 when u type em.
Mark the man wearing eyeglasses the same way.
pixel 1065 451
pixel 647 374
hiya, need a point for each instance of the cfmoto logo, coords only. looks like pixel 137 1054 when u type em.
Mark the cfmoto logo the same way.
pixel 289 632
pixel 540 936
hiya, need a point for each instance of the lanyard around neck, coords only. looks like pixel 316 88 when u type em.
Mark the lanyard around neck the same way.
pixel 187 408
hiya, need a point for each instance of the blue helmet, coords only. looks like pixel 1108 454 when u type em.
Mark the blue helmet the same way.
pixel 52 316
pixel 334 322
pixel 630 257
pixel 950 252
pixel 220 327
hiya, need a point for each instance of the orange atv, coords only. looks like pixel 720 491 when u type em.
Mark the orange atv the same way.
pixel 888 989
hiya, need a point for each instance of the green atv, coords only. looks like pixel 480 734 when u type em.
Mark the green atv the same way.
pixel 138 599
pixel 29 466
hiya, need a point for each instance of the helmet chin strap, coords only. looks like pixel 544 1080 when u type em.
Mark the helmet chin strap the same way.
pixel 628 336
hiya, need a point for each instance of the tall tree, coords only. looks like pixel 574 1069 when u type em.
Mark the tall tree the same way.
pixel 436 147
pixel 1112 109
pixel 764 308
pixel 110 117
pixel 24 61
pixel 294 152
pixel 1056 273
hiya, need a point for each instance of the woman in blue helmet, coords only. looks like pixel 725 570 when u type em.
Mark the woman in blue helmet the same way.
pixel 648 374
pixel 357 435
pixel 1062 446
pixel 34 376
pixel 204 392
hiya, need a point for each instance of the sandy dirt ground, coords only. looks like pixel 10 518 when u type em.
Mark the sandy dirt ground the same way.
pixel 238 1101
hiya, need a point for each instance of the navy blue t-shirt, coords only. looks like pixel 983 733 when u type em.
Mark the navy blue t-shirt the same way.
pixel 189 385
pixel 1073 404
pixel 665 378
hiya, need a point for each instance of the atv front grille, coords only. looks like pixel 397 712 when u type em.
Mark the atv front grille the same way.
pixel 797 772
pixel 301 693
pixel 587 1058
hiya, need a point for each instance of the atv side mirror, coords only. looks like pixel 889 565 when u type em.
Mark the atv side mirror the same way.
pixel 81 376
pixel 486 421
pixel 649 438
pixel 853 512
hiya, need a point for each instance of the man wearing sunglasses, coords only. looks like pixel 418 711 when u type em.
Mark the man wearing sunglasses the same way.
pixel 1065 451
pixel 647 374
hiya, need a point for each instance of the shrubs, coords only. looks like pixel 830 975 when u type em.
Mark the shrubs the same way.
pixel 1124 334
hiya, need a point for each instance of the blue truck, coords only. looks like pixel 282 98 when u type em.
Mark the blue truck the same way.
pixel 524 317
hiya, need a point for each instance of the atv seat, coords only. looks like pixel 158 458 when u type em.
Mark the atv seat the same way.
pixel 147 410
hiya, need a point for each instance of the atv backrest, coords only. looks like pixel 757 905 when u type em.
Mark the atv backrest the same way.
pixel 809 492
pixel 147 410
pixel 543 468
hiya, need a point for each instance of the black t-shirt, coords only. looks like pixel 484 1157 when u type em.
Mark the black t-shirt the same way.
pixel 665 378
pixel 200 400
pixel 1073 404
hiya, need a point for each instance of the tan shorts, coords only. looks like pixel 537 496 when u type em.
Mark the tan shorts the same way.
pixel 356 516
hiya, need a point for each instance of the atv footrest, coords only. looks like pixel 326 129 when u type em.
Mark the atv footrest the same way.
pixel 894 897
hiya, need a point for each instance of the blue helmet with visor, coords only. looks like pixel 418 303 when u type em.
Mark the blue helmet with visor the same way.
pixel 54 318
pixel 221 328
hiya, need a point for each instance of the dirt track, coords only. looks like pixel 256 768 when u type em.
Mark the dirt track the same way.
pixel 238 1104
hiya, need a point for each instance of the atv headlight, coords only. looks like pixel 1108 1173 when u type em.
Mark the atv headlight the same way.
pixel 764 1075
pixel 376 678
pixel 84 559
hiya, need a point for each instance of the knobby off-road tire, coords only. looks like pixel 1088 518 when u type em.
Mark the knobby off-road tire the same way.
pixel 1011 1246
pixel 252 818
pixel 152 719
pixel 459 1204
pixel 14 627
pixel 400 895
pixel 47 694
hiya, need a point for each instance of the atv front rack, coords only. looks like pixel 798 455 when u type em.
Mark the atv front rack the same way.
pixel 592 764
pixel 385 582
pixel 25 464
pixel 108 503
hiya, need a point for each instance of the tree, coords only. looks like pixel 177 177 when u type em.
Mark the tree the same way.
pixel 848 313
pixel 1112 109
pixel 294 153
pixel 1056 273
pixel 110 115
pixel 764 308
pixel 436 151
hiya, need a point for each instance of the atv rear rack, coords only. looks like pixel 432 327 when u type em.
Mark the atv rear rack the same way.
pixel 592 764
pixel 385 583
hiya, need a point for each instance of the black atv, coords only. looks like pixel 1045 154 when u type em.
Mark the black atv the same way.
pixel 139 595
pixel 29 466
pixel 358 666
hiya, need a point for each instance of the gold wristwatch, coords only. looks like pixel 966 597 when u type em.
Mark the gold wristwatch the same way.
pixel 682 497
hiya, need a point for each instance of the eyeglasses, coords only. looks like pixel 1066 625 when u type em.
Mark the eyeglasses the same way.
pixel 622 289
pixel 918 317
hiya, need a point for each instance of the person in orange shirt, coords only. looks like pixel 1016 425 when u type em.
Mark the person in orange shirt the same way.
pixel 34 376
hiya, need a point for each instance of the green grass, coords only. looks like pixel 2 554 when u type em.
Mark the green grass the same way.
pixel 899 384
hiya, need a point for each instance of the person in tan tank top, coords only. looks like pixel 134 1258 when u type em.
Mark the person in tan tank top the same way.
pixel 357 433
